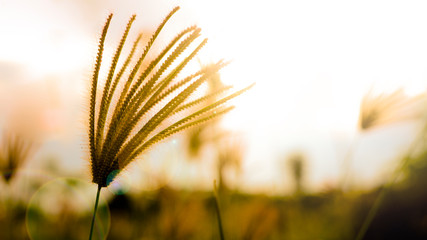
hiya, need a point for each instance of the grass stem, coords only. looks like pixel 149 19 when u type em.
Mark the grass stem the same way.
pixel 371 214
pixel 387 186
pixel 94 211
pixel 218 213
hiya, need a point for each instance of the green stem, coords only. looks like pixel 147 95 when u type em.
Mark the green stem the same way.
pixel 218 213
pixel 221 232
pixel 387 186
pixel 371 214
pixel 94 211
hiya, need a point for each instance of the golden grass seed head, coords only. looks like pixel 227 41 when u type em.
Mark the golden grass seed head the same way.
pixel 117 141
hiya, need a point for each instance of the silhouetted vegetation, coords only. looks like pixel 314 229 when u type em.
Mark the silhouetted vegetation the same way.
pixel 143 101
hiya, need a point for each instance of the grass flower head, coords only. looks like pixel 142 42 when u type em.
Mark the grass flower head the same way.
pixel 15 150
pixel 120 130
pixel 146 101
pixel 386 109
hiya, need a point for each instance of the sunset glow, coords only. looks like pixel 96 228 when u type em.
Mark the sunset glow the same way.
pixel 311 61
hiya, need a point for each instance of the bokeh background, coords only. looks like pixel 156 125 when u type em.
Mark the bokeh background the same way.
pixel 329 144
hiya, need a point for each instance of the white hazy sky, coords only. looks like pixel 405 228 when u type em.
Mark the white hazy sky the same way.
pixel 312 61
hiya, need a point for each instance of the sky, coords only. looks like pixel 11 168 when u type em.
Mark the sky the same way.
pixel 312 62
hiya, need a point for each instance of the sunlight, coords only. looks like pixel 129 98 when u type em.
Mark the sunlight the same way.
pixel 267 46
pixel 312 62
pixel 41 45
pixel 311 69
pixel 326 143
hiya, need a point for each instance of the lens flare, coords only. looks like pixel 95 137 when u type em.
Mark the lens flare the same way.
pixel 120 184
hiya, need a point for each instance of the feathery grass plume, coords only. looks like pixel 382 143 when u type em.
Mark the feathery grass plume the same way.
pixel 296 164
pixel 195 141
pixel 197 138
pixel 230 156
pixel 380 110
pixel 119 131
pixel 15 151
pixel 386 109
